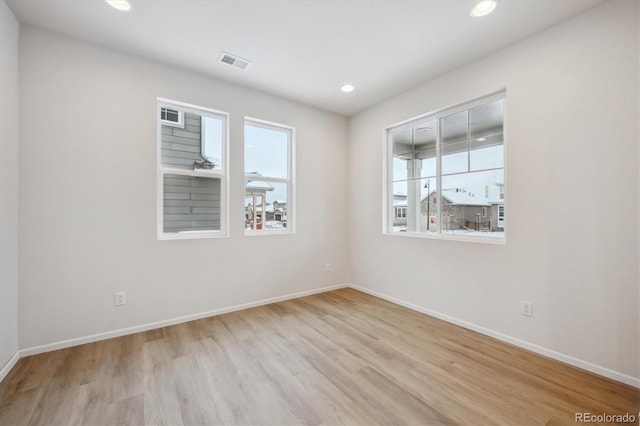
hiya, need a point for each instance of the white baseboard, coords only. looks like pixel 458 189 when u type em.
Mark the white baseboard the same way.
pixel 9 365
pixel 158 324
pixel 605 372
pixel 602 371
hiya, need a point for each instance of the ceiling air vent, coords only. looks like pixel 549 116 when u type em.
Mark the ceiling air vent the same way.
pixel 234 61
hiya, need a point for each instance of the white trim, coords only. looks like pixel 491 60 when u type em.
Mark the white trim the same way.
pixel 488 239
pixel 451 109
pixel 267 231
pixel 4 371
pixel 387 171
pixel 196 109
pixel 164 323
pixel 575 362
pixel 289 180
pixel 596 369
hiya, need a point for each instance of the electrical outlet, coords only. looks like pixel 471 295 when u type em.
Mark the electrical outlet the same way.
pixel 526 308
pixel 121 298
pixel 328 267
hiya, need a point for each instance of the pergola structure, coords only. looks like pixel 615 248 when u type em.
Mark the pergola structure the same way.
pixel 257 191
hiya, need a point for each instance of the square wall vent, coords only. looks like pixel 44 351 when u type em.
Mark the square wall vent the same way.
pixel 234 61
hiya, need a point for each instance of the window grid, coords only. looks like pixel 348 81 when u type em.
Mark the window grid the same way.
pixel 264 217
pixel 489 221
pixel 199 194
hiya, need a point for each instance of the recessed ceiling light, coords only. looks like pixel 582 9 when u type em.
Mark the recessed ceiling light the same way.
pixel 122 5
pixel 483 7
pixel 347 88
pixel 482 139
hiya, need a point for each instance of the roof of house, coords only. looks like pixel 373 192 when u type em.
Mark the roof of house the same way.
pixel 259 186
pixel 459 197
pixel 465 198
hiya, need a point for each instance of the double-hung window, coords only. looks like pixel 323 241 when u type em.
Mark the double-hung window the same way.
pixel 269 177
pixel 192 171
pixel 447 170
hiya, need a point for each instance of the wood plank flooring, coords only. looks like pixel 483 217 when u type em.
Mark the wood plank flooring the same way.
pixel 341 357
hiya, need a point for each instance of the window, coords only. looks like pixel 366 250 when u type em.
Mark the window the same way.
pixel 172 117
pixel 268 168
pixel 192 175
pixel 401 213
pixel 500 216
pixel 447 170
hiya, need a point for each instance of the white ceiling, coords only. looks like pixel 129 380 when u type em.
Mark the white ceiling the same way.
pixel 306 49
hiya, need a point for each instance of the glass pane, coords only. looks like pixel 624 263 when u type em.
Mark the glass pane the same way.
pixel 428 205
pixel 400 168
pixel 182 146
pixel 212 135
pixel 454 145
pixel 470 203
pixel 424 136
pixel 266 151
pixel 173 115
pixel 265 205
pixel 486 132
pixel 486 120
pixel 491 157
pixel 399 202
pixel 190 203
pixel 455 163
pixel 428 166
pixel 402 142
pixel 454 128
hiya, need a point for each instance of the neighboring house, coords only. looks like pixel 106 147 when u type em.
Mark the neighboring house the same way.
pixel 399 210
pixel 461 209
pixel 279 211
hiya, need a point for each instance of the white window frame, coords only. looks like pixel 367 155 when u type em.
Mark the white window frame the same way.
pixel 221 174
pixel 289 180
pixel 179 124
pixel 387 171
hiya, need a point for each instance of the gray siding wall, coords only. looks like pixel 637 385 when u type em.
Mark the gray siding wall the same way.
pixel 182 146
pixel 191 203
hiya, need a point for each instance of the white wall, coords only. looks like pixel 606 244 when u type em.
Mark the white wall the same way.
pixel 88 197
pixel 572 196
pixel 9 36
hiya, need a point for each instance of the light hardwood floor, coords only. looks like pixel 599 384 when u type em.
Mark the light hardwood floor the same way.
pixel 341 357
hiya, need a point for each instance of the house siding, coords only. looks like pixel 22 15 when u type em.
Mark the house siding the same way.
pixel 191 203
pixel 182 146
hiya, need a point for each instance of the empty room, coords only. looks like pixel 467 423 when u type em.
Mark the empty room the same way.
pixel 283 212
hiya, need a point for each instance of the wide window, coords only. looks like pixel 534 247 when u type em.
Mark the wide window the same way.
pixel 268 166
pixel 192 147
pixel 447 170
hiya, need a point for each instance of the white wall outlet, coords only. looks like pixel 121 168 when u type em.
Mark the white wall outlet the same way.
pixel 526 308
pixel 121 298
pixel 328 267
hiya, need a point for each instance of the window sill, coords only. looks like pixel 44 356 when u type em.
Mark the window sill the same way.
pixel 466 238
pixel 256 233
pixel 192 235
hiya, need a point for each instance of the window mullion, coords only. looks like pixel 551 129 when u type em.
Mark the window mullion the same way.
pixel 438 178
